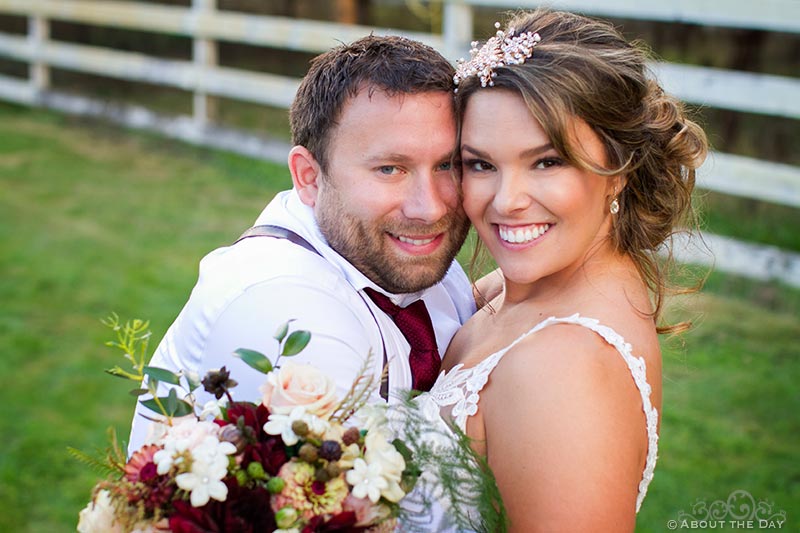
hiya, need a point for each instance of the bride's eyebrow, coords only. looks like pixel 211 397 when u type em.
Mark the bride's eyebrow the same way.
pixel 474 151
pixel 537 150
pixel 531 152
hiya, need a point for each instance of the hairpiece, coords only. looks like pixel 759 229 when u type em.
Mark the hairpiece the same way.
pixel 501 50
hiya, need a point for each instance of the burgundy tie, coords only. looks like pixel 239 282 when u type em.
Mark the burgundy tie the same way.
pixel 414 323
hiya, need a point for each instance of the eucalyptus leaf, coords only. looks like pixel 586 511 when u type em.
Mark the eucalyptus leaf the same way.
pixel 182 408
pixel 281 332
pixel 162 374
pixel 138 392
pixel 256 360
pixel 296 342
pixel 172 402
pixel 119 372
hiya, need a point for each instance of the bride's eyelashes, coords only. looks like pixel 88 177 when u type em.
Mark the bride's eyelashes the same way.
pixel 549 162
pixel 477 165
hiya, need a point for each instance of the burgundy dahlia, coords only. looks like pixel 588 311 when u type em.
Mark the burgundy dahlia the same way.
pixel 268 450
pixel 245 510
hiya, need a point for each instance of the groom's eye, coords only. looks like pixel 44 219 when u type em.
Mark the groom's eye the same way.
pixel 388 170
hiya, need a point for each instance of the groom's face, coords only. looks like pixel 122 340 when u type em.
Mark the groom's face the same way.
pixel 388 201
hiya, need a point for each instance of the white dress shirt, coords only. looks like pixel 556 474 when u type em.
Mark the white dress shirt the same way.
pixel 246 291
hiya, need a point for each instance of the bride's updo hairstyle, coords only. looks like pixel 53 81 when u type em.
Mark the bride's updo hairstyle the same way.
pixel 584 68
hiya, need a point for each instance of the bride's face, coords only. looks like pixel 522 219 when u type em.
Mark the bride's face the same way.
pixel 538 215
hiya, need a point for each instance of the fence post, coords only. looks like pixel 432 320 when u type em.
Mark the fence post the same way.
pixel 38 70
pixel 456 28
pixel 204 55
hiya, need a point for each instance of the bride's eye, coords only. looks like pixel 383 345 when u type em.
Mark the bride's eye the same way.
pixel 548 162
pixel 477 165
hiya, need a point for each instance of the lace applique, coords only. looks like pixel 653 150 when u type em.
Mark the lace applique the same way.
pixel 460 387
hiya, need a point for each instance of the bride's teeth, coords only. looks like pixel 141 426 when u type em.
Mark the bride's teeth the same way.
pixel 522 235
pixel 415 242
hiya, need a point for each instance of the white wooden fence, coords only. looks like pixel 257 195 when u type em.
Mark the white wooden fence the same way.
pixel 205 79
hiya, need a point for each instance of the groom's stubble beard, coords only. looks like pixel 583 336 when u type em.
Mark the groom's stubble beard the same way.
pixel 366 245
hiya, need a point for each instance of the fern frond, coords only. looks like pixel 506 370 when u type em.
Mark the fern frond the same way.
pixel 363 387
pixel 463 477
pixel 100 463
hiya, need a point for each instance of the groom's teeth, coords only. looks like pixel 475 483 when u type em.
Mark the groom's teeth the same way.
pixel 415 242
pixel 522 235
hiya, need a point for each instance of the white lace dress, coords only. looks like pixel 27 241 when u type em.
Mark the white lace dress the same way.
pixel 458 391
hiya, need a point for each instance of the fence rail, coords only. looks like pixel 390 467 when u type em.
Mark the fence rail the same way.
pixel 205 78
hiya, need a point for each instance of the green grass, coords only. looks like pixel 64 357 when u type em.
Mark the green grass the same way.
pixel 94 220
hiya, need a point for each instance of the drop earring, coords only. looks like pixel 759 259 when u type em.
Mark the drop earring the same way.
pixel 614 207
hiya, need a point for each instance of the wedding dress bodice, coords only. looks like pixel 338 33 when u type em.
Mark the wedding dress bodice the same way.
pixel 458 390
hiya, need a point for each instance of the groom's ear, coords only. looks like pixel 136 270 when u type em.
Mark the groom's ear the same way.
pixel 305 171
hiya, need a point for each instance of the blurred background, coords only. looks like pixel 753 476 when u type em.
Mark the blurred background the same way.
pixel 136 136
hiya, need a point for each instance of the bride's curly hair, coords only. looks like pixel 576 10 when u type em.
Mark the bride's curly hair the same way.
pixel 585 68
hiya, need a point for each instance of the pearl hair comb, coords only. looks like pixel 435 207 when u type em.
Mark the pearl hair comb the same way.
pixel 501 50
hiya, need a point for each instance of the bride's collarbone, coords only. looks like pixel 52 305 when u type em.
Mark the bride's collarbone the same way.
pixel 487 333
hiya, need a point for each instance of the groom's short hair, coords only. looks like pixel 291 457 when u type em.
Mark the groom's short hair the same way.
pixel 393 64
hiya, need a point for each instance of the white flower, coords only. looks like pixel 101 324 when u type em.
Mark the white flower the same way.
pixel 209 467
pixel 184 435
pixel 213 409
pixel 367 480
pixel 98 516
pixel 282 424
pixel 381 452
pixel 372 416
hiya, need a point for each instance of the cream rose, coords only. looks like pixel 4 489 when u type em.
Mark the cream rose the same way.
pixel 294 385
pixel 98 516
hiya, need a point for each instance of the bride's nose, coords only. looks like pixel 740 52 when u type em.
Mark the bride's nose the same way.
pixel 512 193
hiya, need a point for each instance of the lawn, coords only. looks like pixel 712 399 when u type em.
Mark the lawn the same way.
pixel 94 220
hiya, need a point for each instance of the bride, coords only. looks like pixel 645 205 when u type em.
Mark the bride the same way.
pixel 576 168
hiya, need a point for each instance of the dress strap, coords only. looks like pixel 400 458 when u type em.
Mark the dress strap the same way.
pixel 638 370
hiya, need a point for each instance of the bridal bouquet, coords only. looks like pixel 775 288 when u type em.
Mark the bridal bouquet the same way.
pixel 292 463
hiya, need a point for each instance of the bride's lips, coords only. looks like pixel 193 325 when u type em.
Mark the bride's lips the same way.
pixel 417 244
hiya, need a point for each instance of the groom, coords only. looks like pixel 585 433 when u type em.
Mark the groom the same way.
pixel 371 226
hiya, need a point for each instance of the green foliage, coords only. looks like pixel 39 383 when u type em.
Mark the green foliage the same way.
pixel 295 343
pixel 109 462
pixel 463 475
pixel 132 339
pixel 254 359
